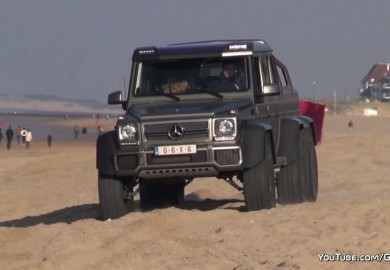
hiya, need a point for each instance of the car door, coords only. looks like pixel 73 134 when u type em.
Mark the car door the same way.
pixel 266 108
pixel 288 100
pixel 271 107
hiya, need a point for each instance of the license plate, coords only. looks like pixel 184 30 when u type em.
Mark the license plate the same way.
pixel 175 150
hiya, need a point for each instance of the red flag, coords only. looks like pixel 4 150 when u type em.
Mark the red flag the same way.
pixel 315 111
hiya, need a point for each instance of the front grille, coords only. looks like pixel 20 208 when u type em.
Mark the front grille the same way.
pixel 192 130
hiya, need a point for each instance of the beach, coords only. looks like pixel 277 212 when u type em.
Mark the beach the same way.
pixel 50 216
pixel 56 125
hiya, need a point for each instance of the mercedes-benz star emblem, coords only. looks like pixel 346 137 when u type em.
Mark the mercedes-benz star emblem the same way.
pixel 176 132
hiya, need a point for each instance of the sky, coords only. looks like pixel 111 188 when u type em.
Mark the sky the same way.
pixel 82 48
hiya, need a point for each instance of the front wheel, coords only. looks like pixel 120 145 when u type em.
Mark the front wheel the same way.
pixel 115 196
pixel 259 183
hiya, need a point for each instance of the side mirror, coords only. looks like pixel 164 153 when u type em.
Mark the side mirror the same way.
pixel 271 89
pixel 116 98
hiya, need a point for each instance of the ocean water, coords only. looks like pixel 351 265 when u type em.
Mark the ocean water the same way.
pixel 37 123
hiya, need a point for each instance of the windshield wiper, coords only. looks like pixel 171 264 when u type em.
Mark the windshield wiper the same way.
pixel 213 93
pixel 172 96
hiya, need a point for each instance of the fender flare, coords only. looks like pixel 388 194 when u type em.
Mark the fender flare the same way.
pixel 253 143
pixel 290 127
pixel 106 147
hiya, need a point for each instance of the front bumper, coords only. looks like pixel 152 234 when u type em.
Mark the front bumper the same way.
pixel 209 160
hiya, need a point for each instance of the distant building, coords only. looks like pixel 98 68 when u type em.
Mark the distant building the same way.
pixel 376 84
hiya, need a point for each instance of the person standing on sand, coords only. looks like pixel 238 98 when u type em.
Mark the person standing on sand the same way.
pixel 49 140
pixel 29 138
pixel 9 134
pixel 23 134
pixel 76 131
pixel 18 134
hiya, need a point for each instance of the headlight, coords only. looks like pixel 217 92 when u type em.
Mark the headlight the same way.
pixel 225 129
pixel 128 134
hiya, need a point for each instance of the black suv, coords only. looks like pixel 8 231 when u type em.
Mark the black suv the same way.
pixel 222 108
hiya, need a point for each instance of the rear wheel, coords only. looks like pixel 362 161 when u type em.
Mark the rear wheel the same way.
pixel 150 193
pixel 297 182
pixel 259 183
pixel 175 192
pixel 309 170
pixel 154 193
pixel 287 182
pixel 115 196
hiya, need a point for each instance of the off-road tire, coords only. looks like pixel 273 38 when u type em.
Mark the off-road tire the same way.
pixel 113 197
pixel 308 169
pixel 175 192
pixel 287 184
pixel 259 183
pixel 297 182
pixel 151 193
pixel 155 193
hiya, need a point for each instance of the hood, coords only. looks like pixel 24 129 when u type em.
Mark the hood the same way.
pixel 188 107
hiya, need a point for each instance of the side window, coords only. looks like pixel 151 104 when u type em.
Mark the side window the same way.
pixel 272 70
pixel 267 68
pixel 284 77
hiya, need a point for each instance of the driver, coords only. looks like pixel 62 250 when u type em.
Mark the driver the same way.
pixel 230 73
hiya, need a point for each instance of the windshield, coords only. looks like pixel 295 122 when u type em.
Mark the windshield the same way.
pixel 191 76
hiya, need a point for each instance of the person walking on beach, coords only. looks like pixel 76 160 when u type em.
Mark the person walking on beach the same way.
pixel 49 140
pixel 29 138
pixel 76 131
pixel 9 134
pixel 18 134
pixel 23 134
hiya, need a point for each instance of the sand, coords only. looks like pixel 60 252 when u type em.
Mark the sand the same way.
pixel 50 217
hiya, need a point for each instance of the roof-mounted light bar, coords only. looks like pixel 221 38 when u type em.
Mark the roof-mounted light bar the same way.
pixel 145 53
pixel 237 49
